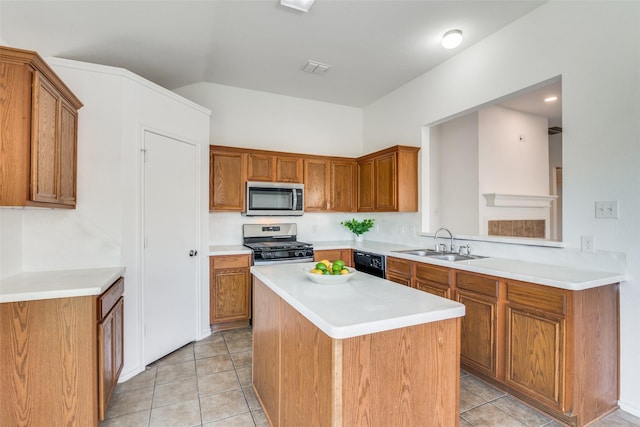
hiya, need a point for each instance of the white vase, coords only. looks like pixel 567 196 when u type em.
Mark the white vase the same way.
pixel 359 238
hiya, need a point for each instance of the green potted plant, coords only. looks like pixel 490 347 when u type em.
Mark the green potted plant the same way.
pixel 358 227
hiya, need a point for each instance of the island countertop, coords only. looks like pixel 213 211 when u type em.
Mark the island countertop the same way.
pixel 363 305
pixel 38 285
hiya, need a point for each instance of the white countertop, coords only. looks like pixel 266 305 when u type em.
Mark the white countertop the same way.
pixel 215 250
pixel 364 305
pixel 557 276
pixel 38 285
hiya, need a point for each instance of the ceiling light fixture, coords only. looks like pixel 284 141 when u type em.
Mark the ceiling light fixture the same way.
pixel 452 39
pixel 551 98
pixel 301 5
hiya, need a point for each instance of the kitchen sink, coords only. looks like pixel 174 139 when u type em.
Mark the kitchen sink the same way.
pixel 431 253
pixel 419 252
pixel 455 257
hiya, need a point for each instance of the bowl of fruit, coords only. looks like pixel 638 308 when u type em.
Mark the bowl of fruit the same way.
pixel 329 273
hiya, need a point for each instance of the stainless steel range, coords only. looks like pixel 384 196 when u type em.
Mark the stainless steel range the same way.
pixel 275 243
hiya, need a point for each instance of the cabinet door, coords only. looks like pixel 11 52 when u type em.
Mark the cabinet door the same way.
pixel 44 148
pixel 118 340
pixel 67 154
pixel 260 167
pixel 343 186
pixel 386 198
pixel 535 355
pixel 288 169
pixel 365 186
pixel 226 181
pixel 479 331
pixel 434 280
pixel 316 185
pixel 106 373
pixel 230 295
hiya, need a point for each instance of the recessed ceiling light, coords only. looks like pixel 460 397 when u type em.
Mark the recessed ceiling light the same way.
pixel 452 39
pixel 301 5
pixel 551 98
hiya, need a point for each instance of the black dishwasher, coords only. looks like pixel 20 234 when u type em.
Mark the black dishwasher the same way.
pixel 369 263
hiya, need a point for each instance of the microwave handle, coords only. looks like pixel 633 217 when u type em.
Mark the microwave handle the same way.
pixel 295 199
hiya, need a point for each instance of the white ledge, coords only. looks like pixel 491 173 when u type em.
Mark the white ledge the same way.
pixel 499 200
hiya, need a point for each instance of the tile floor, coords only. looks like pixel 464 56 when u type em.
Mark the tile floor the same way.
pixel 208 383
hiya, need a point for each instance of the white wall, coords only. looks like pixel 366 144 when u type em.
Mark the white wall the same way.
pixel 453 147
pixel 601 112
pixel 252 119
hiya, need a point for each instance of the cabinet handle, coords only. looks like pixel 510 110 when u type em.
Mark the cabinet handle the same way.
pixel 193 252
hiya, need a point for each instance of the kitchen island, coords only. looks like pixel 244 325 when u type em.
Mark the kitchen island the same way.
pixel 367 352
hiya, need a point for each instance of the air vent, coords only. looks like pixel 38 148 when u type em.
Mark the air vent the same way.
pixel 314 67
pixel 555 130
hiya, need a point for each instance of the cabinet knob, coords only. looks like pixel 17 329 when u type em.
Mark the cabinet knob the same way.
pixel 193 252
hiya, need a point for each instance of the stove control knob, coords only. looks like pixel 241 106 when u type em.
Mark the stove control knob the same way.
pixel 267 255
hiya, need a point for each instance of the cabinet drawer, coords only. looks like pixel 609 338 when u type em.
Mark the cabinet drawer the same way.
pixel 399 265
pixel 542 298
pixel 229 261
pixel 110 297
pixel 432 274
pixel 479 284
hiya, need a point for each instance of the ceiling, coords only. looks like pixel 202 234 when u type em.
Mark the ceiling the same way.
pixel 373 47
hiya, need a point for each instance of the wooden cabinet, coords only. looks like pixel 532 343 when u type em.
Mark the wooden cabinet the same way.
pixel 330 185
pixel 38 138
pixel 274 168
pixel 61 358
pixel 537 336
pixel 226 180
pixel 432 279
pixel 229 291
pixel 400 271
pixel 388 180
pixel 345 255
pixel 110 343
pixel 479 335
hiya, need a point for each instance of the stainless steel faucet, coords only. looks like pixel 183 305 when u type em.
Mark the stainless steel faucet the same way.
pixel 442 248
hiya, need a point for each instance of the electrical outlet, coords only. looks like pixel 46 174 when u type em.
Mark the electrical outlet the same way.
pixel 608 209
pixel 587 244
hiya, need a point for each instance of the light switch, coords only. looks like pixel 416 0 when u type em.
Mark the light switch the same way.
pixel 607 209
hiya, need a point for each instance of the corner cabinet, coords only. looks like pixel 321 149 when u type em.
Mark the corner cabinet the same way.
pixel 229 291
pixel 39 116
pixel 61 358
pixel 388 180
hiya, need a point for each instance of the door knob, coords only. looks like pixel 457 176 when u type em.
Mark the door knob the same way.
pixel 193 252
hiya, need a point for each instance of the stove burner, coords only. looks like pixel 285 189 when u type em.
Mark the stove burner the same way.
pixel 276 243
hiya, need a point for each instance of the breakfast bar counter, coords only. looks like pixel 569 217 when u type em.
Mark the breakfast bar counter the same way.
pixel 366 352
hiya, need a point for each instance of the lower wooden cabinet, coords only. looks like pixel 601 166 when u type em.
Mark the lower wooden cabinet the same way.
pixel 479 335
pixel 60 358
pixel 110 343
pixel 345 255
pixel 230 291
pixel 432 279
pixel 400 271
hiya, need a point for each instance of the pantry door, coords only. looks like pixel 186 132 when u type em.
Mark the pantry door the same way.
pixel 170 288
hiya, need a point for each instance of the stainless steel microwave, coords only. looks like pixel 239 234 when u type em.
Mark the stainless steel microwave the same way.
pixel 274 198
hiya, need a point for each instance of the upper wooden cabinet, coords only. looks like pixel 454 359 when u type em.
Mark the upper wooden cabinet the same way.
pixel 38 138
pixel 226 180
pixel 274 168
pixel 329 184
pixel 388 180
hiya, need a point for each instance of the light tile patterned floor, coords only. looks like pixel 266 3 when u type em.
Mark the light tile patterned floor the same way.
pixel 208 384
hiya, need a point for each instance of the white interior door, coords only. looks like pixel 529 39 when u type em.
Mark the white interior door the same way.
pixel 170 229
